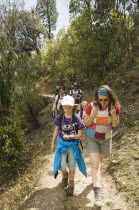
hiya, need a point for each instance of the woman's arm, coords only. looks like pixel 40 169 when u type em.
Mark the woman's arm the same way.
pixel 115 121
pixel 88 119
pixel 54 104
pixel 54 138
pixel 115 117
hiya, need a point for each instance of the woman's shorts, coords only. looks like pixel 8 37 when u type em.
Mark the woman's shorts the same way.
pixel 98 146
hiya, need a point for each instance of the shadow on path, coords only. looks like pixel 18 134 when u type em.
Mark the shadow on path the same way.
pixel 56 199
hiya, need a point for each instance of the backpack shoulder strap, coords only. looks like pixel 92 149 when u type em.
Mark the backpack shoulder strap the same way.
pixel 61 118
pixel 74 118
pixel 81 113
pixel 74 121
pixel 57 100
pixel 79 91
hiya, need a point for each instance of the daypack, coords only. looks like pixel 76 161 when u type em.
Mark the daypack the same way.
pixel 79 91
pixel 74 121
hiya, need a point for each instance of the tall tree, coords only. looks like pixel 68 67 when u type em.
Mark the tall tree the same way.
pixel 21 28
pixel 46 10
pixel 77 6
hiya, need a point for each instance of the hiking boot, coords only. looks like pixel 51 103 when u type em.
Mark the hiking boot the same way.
pixel 97 202
pixel 97 199
pixel 69 191
pixel 64 182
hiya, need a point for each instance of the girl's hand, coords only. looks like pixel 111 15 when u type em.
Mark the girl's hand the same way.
pixel 113 112
pixel 66 137
pixel 52 148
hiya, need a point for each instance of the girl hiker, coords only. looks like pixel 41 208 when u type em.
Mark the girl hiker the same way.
pixel 81 113
pixel 101 116
pixel 68 131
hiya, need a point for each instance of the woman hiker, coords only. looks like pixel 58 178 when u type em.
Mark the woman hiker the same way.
pixel 102 115
pixel 68 131
pixel 58 99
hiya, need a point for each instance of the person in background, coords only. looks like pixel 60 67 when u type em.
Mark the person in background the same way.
pixel 58 99
pixel 68 131
pixel 102 115
pixel 81 114
pixel 76 93
pixel 83 106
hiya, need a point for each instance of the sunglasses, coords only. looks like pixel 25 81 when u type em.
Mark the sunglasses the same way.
pixel 105 100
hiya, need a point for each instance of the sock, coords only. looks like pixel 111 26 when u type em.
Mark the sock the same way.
pixel 96 190
pixel 71 183
pixel 65 175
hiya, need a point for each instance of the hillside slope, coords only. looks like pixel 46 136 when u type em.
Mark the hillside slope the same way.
pixel 120 171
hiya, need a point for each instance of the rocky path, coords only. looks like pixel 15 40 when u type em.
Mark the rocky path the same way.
pixel 50 195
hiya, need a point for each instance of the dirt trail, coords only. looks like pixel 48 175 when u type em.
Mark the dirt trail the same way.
pixel 51 196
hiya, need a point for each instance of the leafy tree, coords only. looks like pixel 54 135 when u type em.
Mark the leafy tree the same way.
pixel 23 30
pixel 99 40
pixel 77 6
pixel 46 10
pixel 28 32
pixel 26 94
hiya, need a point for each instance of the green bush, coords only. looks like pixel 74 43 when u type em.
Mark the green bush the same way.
pixel 11 145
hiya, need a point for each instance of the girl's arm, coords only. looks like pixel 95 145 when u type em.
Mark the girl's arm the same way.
pixel 54 138
pixel 79 135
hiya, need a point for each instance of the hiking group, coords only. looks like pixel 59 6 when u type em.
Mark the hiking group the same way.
pixel 96 123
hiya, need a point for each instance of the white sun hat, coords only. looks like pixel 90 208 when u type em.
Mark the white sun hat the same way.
pixel 67 100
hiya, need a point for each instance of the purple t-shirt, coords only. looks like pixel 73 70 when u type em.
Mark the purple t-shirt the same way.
pixel 67 127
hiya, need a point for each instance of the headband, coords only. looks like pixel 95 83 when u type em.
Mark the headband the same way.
pixel 103 92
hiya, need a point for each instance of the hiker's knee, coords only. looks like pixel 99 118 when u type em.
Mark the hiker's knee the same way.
pixel 71 160
pixel 63 162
